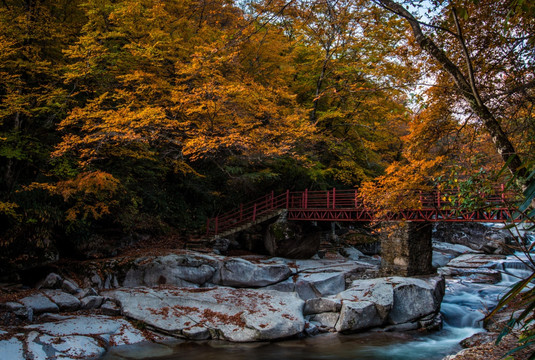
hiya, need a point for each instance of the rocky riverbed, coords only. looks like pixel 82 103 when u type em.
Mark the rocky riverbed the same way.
pixel 195 296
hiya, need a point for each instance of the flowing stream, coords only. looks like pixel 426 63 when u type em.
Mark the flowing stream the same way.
pixel 462 310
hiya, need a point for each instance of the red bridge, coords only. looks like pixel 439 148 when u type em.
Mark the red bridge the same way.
pixel 349 205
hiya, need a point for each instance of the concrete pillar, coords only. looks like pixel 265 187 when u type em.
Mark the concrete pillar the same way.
pixel 406 248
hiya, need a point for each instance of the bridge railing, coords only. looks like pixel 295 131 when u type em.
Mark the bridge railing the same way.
pixel 347 199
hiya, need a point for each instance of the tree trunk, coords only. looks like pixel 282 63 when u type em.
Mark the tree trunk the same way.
pixel 467 89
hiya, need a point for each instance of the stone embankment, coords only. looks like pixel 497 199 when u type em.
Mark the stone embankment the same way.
pixel 197 296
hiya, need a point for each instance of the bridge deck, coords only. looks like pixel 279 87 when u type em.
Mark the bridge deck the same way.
pixel 349 205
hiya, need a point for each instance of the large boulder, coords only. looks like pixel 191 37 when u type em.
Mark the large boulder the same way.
pixel 395 300
pixel 291 240
pixel 477 236
pixel 239 272
pixel 173 269
pixel 39 303
pixel 313 285
pixel 415 298
pixel 240 315
pixel 357 316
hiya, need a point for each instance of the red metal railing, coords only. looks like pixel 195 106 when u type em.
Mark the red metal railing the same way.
pixel 349 205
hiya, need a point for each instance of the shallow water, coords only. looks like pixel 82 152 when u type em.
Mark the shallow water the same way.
pixel 462 310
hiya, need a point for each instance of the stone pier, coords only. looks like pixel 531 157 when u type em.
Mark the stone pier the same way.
pixel 406 248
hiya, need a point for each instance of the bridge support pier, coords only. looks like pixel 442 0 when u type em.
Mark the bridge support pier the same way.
pixel 406 248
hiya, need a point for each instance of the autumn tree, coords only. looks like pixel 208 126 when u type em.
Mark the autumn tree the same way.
pixel 482 54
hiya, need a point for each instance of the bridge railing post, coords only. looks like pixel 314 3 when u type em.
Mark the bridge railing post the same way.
pixel 305 199
pixel 438 199
pixel 334 197
pixel 328 199
pixel 287 199
pixel 272 197
pixel 254 212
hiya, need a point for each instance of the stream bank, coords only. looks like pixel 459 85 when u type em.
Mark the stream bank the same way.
pixel 193 296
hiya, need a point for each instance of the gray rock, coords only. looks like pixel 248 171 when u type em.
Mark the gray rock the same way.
pixel 91 302
pixel 378 291
pixel 321 305
pixel 352 253
pixel 358 316
pixel 240 315
pixel 409 326
pixel 476 260
pixel 96 281
pixel 110 329
pixel 415 298
pixel 242 273
pixel 475 275
pixel 66 302
pixel 310 285
pixel 39 303
pixel 12 349
pixel 19 310
pixel 311 329
pixel 70 287
pixel 452 249
pixel 196 333
pixel 86 292
pixel 42 346
pixel 477 236
pixel 440 259
pixel 110 308
pixel 185 270
pixel 327 319
pixel 52 281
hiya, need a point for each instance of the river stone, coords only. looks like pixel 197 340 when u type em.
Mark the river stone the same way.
pixel 66 302
pixel 476 260
pixel 351 253
pixel 440 259
pixel 42 346
pixel 197 333
pixel 70 287
pixel 321 305
pixel 91 302
pixel 415 298
pixel 110 308
pixel 378 291
pixel 477 275
pixel 39 303
pixel 328 319
pixel 52 281
pixel 239 272
pixel 477 236
pixel 19 310
pixel 452 249
pixel 11 349
pixel 86 292
pixel 240 315
pixel 177 270
pixel 112 330
pixel 357 316
pixel 313 285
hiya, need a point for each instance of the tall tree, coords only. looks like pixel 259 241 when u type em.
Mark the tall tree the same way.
pixel 485 59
